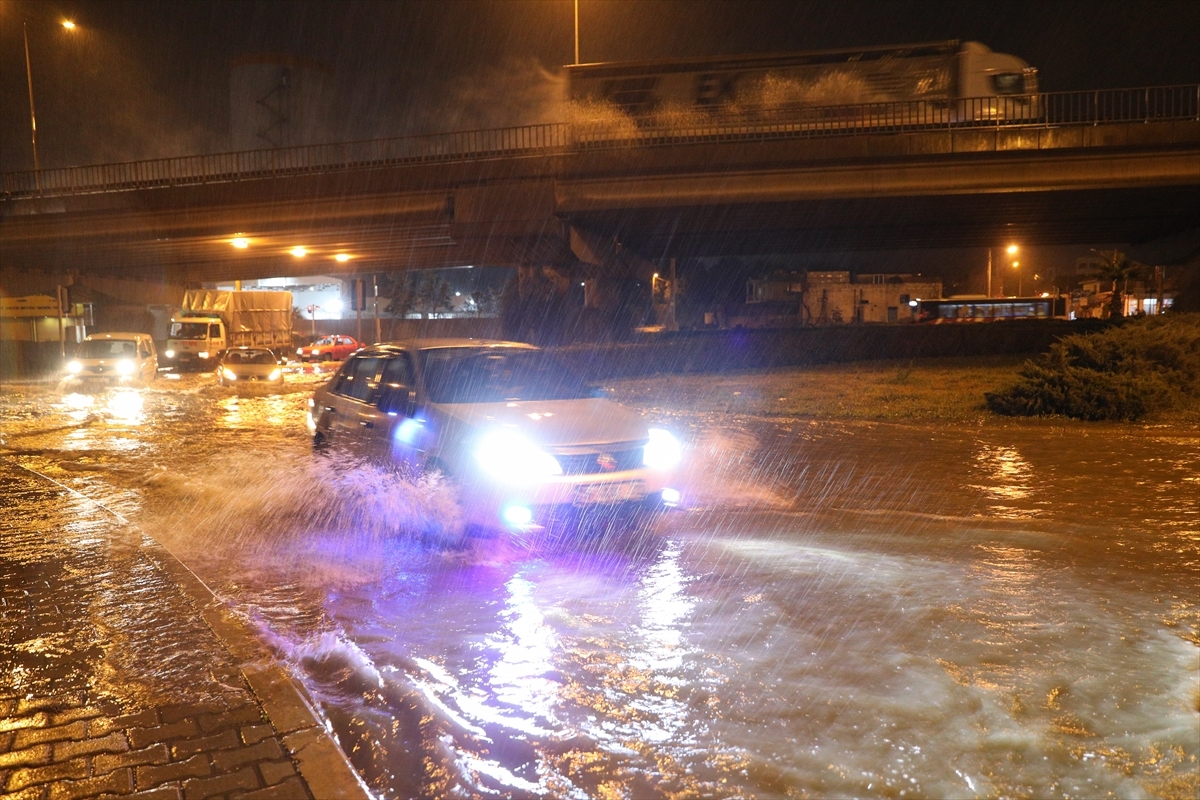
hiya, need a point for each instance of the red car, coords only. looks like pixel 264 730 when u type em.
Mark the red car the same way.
pixel 328 348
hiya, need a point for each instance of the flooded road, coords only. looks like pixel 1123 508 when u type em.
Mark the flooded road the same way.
pixel 842 609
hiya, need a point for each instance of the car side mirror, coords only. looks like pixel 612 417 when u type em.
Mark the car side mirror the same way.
pixel 397 400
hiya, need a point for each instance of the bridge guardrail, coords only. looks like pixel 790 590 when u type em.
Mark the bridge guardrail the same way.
pixel 615 130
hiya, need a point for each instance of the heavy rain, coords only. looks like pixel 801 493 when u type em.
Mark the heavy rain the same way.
pixel 863 461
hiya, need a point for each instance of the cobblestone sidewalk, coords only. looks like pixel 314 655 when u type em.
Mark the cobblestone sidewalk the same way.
pixel 122 676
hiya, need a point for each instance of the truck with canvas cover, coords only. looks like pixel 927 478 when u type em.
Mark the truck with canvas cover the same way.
pixel 208 321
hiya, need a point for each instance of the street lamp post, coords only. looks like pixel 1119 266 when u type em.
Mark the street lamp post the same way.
pixel 37 166
pixel 576 33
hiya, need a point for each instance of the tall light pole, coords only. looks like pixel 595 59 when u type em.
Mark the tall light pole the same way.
pixel 576 36
pixel 37 166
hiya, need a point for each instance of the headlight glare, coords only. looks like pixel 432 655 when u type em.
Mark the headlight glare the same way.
pixel 508 456
pixel 275 375
pixel 229 374
pixel 74 368
pixel 170 354
pixel 663 451
pixel 203 355
pixel 125 367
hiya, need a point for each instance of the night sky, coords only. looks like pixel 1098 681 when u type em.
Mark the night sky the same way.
pixel 150 79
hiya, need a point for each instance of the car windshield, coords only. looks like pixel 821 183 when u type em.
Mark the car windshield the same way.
pixel 107 348
pixel 250 357
pixel 325 340
pixel 189 330
pixel 469 375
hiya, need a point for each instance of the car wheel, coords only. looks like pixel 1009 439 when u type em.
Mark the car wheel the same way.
pixel 327 356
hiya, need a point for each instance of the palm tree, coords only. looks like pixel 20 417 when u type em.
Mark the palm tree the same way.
pixel 1116 267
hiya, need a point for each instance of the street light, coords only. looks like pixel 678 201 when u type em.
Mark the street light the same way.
pixel 1017 266
pixel 1012 250
pixel 37 166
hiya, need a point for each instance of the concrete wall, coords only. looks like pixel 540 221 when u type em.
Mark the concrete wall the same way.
pixel 395 329
pixel 763 349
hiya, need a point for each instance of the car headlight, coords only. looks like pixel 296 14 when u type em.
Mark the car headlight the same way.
pixel 125 367
pixel 74 368
pixel 316 352
pixel 170 354
pixel 229 374
pixel 275 373
pixel 299 351
pixel 202 355
pixel 510 457
pixel 663 451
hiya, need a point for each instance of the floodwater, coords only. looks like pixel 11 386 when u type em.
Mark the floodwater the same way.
pixel 1006 609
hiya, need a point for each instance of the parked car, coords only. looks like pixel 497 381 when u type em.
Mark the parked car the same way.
pixel 114 358
pixel 328 348
pixel 520 434
pixel 249 364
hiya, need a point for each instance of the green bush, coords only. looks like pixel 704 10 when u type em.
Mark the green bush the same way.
pixel 1143 367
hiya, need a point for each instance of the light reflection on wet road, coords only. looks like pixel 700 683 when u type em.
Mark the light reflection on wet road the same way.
pixel 845 609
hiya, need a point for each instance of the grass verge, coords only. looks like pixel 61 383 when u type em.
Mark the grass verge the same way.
pixel 936 389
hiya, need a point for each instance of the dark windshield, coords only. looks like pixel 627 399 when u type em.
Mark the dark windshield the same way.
pixel 189 330
pixel 249 357
pixel 462 375
pixel 107 348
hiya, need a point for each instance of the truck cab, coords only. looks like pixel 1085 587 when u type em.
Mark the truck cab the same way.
pixel 195 341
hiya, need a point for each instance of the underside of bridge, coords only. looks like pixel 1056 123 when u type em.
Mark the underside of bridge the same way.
pixel 610 214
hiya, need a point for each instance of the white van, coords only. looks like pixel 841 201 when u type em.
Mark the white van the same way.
pixel 114 358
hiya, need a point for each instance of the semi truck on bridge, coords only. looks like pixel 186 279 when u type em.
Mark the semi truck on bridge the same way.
pixel 964 81
pixel 210 321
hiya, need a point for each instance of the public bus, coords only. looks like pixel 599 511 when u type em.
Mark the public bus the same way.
pixel 991 309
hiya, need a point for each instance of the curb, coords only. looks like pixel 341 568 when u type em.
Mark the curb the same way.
pixel 319 759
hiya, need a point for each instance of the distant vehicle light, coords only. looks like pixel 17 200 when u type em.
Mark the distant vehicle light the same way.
pixel 671 497
pixel 912 303
pixel 74 368
pixel 663 451
pixel 299 351
pixel 170 354
pixel 298 252
pixel 275 375
pixel 240 242
pixel 342 257
pixel 202 355
pixel 315 352
pixel 229 374
pixel 507 456
pixel 125 367
pixel 518 515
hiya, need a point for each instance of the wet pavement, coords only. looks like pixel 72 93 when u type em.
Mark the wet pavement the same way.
pixel 120 675
pixel 843 609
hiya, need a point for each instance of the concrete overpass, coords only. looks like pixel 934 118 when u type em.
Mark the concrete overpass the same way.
pixel 1116 166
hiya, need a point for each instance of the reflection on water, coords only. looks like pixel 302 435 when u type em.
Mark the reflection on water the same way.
pixel 846 610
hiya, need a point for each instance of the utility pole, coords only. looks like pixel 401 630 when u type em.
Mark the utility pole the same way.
pixel 375 313
pixel 576 38
pixel 672 323
pixel 37 167
pixel 989 274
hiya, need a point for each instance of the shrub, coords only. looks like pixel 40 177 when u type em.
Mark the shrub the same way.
pixel 1143 367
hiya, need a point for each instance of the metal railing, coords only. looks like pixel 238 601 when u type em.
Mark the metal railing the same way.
pixel 615 130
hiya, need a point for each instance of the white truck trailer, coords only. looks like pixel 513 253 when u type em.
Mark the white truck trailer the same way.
pixel 209 321
pixel 960 81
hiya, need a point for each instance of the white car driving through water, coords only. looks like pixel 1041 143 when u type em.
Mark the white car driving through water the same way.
pixel 521 435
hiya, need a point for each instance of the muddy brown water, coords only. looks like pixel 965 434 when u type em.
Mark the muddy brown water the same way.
pixel 874 610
